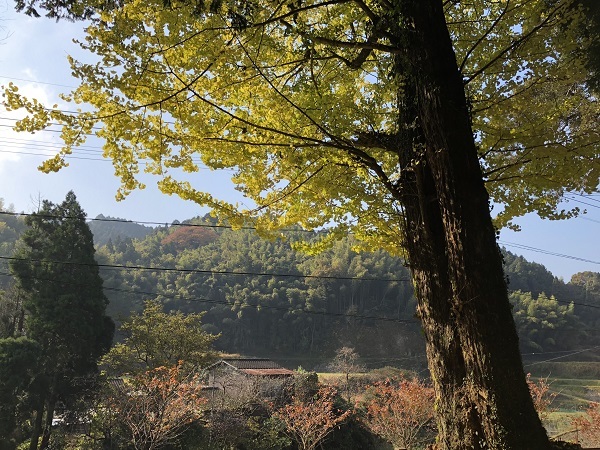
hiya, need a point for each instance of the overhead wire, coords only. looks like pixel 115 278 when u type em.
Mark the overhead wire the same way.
pixel 255 274
pixel 204 272
pixel 546 252
pixel 226 303
pixel 373 360
pixel 36 81
pixel 142 222
pixel 505 243
pixel 573 353
pixel 287 310
pixel 257 306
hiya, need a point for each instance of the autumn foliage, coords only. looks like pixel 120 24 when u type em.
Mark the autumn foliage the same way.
pixel 158 406
pixel 401 412
pixel 190 237
pixel 541 395
pixel 588 425
pixel 308 423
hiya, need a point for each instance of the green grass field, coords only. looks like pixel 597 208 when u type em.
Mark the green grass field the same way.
pixel 575 385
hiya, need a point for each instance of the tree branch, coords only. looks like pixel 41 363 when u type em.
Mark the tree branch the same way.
pixel 517 43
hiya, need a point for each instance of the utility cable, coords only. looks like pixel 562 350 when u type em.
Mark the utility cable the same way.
pixel 546 252
pixel 142 222
pixel 226 303
pixel 204 272
pixel 576 352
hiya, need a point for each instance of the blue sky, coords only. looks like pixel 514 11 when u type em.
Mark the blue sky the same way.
pixel 33 55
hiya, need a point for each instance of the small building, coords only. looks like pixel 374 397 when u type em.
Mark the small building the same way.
pixel 247 377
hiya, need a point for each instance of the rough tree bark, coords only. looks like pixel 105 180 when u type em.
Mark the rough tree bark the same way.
pixel 482 399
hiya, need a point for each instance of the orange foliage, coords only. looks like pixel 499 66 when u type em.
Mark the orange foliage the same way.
pixel 541 395
pixel 158 406
pixel 589 425
pixel 190 237
pixel 310 422
pixel 400 412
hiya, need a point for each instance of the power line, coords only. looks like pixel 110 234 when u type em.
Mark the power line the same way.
pixel 50 216
pixel 261 306
pixel 509 244
pixel 204 272
pixel 72 156
pixel 576 352
pixel 36 142
pixel 582 202
pixel 587 197
pixel 588 219
pixel 52 155
pixel 374 360
pixel 237 273
pixel 35 81
pixel 142 222
pixel 226 303
pixel 47 130
pixel 546 252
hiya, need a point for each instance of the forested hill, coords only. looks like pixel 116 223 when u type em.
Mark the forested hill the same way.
pixel 264 298
pixel 289 303
pixel 106 228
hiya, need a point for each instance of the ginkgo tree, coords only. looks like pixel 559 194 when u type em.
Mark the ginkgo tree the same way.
pixel 396 120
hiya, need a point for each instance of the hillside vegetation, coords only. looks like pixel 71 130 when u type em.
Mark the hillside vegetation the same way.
pixel 265 298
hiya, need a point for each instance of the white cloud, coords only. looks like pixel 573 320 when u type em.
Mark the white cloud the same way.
pixel 15 147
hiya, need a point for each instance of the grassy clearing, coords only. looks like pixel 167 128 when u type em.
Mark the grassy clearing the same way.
pixel 559 425
pixel 573 395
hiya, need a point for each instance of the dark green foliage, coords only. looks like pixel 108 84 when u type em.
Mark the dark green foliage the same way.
pixel 19 382
pixel 298 317
pixel 12 314
pixel 584 289
pixel 592 28
pixel 306 385
pixel 11 226
pixel 306 317
pixel 63 300
pixel 258 314
pixel 526 276
pixel 353 435
pixel 543 324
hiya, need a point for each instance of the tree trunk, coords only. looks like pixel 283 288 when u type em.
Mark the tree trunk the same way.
pixel 37 426
pixel 50 405
pixel 482 399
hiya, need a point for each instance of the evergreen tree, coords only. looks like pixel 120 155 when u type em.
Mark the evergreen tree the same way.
pixel 65 305
pixel 18 385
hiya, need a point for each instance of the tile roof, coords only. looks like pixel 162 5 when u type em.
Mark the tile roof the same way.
pixel 268 372
pixel 254 366
pixel 252 363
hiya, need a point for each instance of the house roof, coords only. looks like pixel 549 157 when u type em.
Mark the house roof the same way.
pixel 252 363
pixel 268 372
pixel 255 366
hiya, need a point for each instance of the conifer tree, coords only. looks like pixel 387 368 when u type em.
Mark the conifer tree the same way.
pixel 65 305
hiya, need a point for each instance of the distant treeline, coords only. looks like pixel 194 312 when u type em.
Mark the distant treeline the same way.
pixel 322 303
